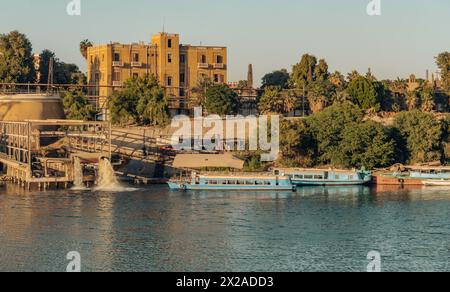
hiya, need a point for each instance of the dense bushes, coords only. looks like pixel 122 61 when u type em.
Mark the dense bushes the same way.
pixel 339 136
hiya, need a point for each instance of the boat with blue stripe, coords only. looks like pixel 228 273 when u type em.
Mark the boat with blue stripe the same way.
pixel 325 177
pixel 232 181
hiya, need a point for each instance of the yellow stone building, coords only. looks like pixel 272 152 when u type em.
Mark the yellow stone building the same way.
pixel 177 67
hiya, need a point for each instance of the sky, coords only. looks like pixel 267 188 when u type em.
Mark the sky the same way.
pixel 270 34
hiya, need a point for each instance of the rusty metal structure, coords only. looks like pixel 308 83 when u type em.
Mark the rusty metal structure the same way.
pixel 42 152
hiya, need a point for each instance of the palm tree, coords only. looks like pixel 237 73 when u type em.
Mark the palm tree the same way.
pixel 412 101
pixel 197 96
pixel 84 45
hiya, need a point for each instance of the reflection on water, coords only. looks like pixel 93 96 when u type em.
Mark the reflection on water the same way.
pixel 153 229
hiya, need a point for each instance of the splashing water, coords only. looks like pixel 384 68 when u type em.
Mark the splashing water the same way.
pixel 107 180
pixel 78 184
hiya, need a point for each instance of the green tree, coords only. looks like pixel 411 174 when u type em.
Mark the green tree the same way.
pixel 276 101
pixel 276 78
pixel 443 63
pixel 198 93
pixel 320 94
pixel 352 76
pixel 141 101
pixel 421 135
pixel 365 93
pixel 221 100
pixel 303 73
pixel 328 125
pixel 321 71
pixel 297 144
pixel 16 59
pixel 338 81
pixel 153 105
pixel 427 99
pixel 63 73
pixel 365 144
pixel 77 107
pixel 84 45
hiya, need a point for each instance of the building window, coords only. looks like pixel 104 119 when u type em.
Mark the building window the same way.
pixel 116 76
pixel 116 57
pixel 136 57
pixel 203 59
pixel 169 58
pixel 169 81
pixel 182 59
pixel 218 78
pixel 182 78
pixel 219 59
pixel 169 43
pixel 182 93
pixel 135 75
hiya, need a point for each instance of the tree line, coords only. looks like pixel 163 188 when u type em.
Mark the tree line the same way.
pixel 342 136
pixel 310 79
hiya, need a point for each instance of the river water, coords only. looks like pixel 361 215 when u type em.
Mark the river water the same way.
pixel 153 229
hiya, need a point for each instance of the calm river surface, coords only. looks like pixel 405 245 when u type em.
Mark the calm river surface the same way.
pixel 153 229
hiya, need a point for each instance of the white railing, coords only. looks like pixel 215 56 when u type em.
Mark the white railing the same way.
pixel 117 83
pixel 136 64
pixel 117 63
pixel 219 66
pixel 203 65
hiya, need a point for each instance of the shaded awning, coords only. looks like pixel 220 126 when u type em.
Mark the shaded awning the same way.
pixel 199 161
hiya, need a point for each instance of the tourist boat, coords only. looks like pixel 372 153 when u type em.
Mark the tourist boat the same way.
pixel 437 183
pixel 234 181
pixel 433 173
pixel 322 177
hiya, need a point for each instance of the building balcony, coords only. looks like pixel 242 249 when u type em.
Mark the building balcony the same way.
pixel 203 65
pixel 117 83
pixel 136 64
pixel 117 64
pixel 219 66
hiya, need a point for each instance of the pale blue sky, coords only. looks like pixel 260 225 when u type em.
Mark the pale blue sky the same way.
pixel 270 34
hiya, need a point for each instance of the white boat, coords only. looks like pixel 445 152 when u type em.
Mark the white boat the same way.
pixel 232 181
pixel 322 177
pixel 437 183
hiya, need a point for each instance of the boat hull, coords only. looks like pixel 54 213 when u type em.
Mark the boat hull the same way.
pixel 189 187
pixel 329 183
pixel 437 183
pixel 391 180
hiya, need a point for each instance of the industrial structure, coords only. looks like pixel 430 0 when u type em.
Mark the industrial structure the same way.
pixel 44 152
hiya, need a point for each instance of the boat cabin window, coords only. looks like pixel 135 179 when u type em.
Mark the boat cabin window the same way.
pixel 318 177
pixel 308 176
pixel 231 182
pixel 298 176
pixel 267 183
